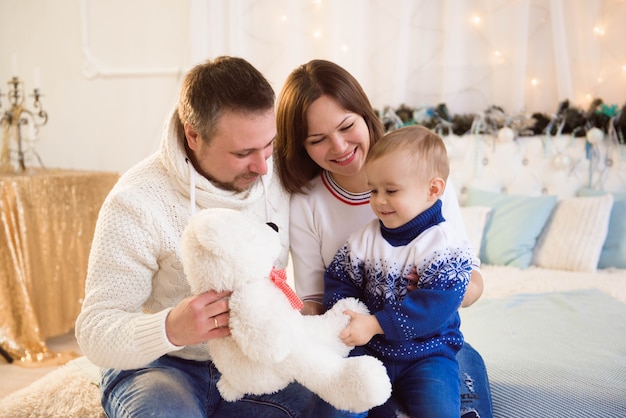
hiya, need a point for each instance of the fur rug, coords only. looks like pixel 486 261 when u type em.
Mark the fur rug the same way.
pixel 69 391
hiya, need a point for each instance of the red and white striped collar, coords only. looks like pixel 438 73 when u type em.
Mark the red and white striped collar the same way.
pixel 355 199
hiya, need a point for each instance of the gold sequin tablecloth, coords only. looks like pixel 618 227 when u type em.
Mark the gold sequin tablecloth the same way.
pixel 47 220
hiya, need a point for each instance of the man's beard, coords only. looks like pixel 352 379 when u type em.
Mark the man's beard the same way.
pixel 231 186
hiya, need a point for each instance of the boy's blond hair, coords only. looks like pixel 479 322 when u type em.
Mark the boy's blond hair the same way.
pixel 426 149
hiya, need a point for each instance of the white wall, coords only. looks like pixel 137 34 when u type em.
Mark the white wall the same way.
pixel 111 69
pixel 102 116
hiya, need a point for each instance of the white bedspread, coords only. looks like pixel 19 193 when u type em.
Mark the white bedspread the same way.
pixel 554 342
pixel 501 281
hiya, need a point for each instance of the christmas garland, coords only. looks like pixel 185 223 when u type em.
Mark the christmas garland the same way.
pixel 568 119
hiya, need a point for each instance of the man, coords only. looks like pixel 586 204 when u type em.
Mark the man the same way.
pixel 139 321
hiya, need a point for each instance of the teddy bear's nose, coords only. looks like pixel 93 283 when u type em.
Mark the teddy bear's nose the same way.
pixel 273 226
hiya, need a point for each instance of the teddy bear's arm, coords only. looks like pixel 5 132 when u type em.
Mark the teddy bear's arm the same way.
pixel 263 323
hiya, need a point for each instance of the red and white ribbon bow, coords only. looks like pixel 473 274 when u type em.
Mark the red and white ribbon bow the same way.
pixel 279 278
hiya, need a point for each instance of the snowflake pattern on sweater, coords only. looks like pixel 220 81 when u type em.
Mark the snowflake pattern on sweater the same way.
pixel 372 266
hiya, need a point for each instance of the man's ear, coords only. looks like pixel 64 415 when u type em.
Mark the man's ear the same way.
pixel 192 137
pixel 436 188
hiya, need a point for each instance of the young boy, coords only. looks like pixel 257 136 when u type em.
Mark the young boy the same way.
pixel 415 333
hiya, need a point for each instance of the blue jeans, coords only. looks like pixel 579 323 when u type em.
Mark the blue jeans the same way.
pixel 475 391
pixel 426 388
pixel 475 395
pixel 173 387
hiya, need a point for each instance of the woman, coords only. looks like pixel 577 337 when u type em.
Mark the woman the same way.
pixel 325 128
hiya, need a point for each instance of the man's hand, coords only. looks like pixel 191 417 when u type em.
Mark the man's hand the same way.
pixel 198 318
pixel 360 330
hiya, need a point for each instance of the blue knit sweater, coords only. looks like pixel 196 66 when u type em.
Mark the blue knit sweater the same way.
pixel 372 266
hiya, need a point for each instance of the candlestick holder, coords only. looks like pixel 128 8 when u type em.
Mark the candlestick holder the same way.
pixel 20 128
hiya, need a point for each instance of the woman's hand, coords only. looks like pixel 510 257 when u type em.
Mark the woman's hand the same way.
pixel 412 277
pixel 198 318
pixel 312 308
pixel 472 294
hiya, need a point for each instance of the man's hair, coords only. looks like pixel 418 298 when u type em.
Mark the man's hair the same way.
pixel 303 86
pixel 426 149
pixel 225 84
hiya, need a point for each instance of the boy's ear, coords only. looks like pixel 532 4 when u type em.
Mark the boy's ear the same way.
pixel 437 186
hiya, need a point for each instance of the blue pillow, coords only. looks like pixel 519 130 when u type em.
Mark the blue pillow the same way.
pixel 614 249
pixel 514 226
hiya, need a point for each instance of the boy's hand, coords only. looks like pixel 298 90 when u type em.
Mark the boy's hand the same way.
pixel 360 330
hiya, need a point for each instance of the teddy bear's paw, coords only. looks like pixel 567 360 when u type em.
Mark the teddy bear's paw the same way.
pixel 364 385
pixel 350 304
pixel 375 386
pixel 336 314
pixel 229 392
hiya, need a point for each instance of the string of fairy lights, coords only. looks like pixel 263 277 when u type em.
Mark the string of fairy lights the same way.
pixel 602 26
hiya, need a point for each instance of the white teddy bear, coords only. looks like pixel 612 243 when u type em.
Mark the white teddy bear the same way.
pixel 271 343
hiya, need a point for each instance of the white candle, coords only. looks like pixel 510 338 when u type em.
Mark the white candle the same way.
pixel 14 64
pixel 36 77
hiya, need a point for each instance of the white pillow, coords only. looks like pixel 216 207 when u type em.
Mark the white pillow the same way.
pixel 475 218
pixel 575 234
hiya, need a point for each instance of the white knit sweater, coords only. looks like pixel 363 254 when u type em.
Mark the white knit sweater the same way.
pixel 135 273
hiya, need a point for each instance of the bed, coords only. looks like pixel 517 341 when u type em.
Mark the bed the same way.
pixel 547 215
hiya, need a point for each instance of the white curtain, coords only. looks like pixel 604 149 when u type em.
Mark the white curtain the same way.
pixel 522 55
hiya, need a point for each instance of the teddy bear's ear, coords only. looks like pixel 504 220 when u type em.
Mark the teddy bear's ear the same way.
pixel 227 248
pixel 219 230
pixel 209 251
